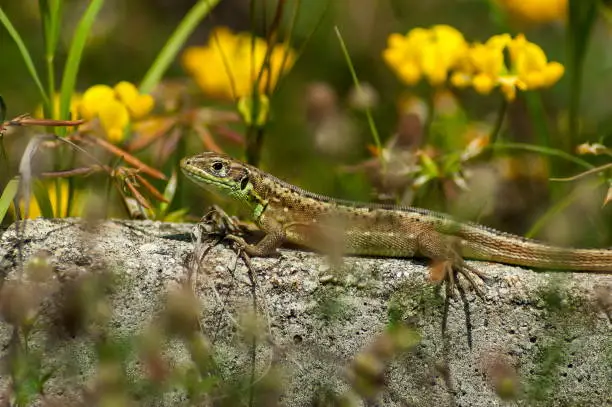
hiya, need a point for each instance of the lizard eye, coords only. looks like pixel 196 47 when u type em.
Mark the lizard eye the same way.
pixel 217 166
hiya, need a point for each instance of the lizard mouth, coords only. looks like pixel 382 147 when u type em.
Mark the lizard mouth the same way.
pixel 199 177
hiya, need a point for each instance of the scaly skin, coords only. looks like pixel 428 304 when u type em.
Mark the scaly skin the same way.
pixel 287 213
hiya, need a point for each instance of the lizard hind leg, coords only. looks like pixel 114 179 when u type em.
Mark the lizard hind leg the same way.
pixel 448 263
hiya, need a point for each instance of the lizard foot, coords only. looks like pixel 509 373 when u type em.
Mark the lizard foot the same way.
pixel 219 222
pixel 448 263
pixel 452 269
pixel 261 249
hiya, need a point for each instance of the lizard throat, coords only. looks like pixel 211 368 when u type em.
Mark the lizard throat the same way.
pixel 247 196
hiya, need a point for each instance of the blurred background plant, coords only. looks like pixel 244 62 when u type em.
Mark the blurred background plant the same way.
pixel 411 124
pixel 401 115
pixel 493 110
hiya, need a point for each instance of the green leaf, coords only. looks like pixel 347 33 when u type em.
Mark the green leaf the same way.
pixel 41 193
pixel 27 376
pixel 24 53
pixel 169 193
pixel 176 216
pixel 9 193
pixel 175 43
pixel 430 168
pixel 74 56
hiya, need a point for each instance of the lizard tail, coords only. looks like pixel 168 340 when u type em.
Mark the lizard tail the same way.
pixel 492 245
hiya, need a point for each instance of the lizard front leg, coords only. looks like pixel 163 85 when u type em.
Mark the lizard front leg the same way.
pixel 445 252
pixel 276 234
pixel 217 222
pixel 267 246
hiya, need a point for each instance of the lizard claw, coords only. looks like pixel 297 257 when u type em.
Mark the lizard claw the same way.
pixel 466 270
pixel 252 250
pixel 448 263
pixel 238 242
pixel 448 271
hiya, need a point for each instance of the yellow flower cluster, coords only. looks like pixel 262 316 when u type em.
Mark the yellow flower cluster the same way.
pixel 441 52
pixel 115 107
pixel 484 67
pixel 535 11
pixel 230 64
pixel 431 53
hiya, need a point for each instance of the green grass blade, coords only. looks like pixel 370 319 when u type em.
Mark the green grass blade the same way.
pixel 368 112
pixel 169 193
pixel 582 15
pixel 25 54
pixel 74 56
pixel 543 150
pixel 305 42
pixel 559 207
pixel 175 43
pixel 56 19
pixel 289 42
pixel 51 14
pixel 9 193
pixel 41 193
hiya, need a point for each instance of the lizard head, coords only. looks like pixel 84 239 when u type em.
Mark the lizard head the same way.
pixel 220 173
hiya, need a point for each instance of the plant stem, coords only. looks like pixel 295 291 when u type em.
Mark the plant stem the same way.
pixel 499 121
pixel 560 206
pixel 254 142
pixel 431 111
pixel 368 111
pixel 581 17
pixel 535 106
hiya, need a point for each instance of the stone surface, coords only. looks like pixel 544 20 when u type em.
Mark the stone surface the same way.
pixel 546 337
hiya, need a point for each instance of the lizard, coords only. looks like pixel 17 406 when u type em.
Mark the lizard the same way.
pixel 287 213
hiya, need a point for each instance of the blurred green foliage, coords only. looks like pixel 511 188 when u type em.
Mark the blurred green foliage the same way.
pixel 298 142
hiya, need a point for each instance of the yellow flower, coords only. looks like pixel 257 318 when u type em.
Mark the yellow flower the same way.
pixel 114 117
pixel 137 104
pixel 430 53
pixel 531 64
pixel 403 55
pixel 115 107
pixel 229 65
pixel 94 99
pixel 444 50
pixel 485 67
pixel 535 11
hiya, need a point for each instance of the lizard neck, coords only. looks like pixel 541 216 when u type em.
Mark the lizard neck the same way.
pixel 253 195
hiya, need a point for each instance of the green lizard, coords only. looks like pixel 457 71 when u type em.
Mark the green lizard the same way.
pixel 286 213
